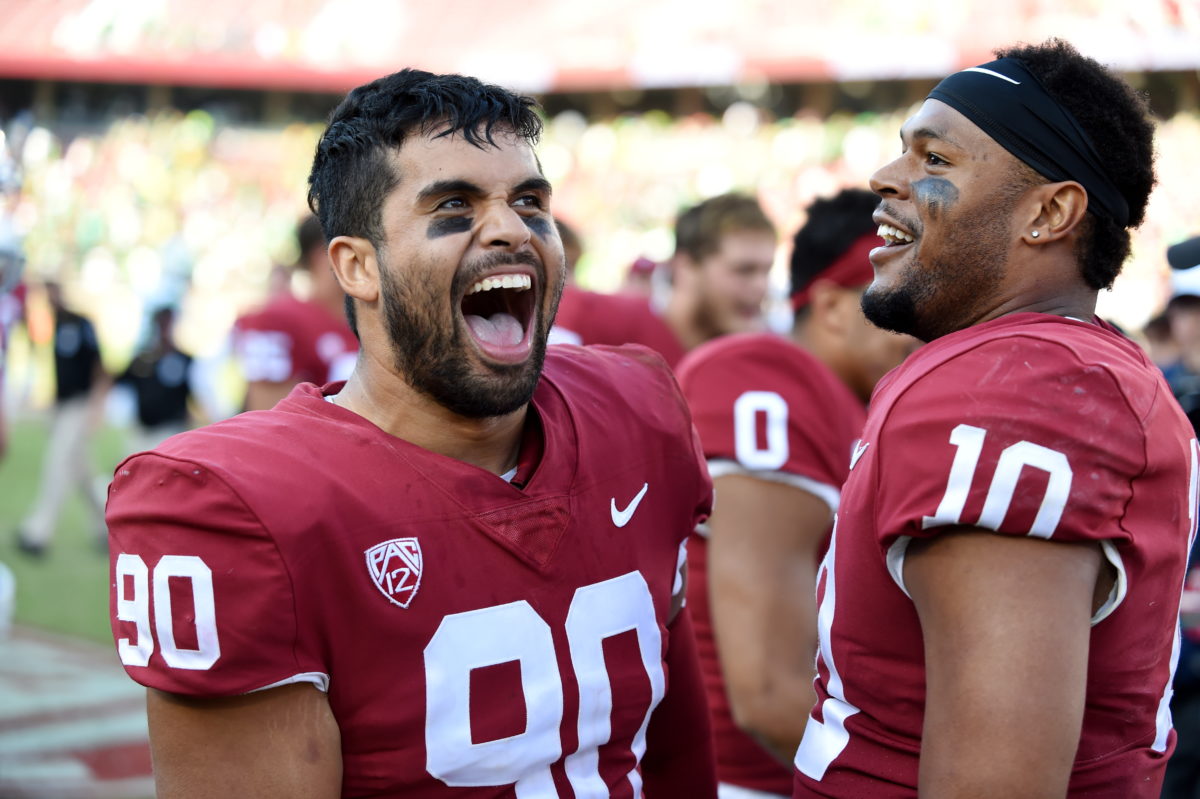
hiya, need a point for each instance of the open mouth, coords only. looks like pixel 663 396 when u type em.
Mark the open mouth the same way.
pixel 499 311
pixel 893 236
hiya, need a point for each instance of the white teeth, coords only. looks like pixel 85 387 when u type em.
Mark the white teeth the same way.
pixel 518 282
pixel 892 235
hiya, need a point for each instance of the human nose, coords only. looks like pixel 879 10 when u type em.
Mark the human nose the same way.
pixel 887 181
pixel 502 227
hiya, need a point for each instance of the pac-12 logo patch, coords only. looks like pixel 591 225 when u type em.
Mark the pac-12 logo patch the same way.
pixel 395 567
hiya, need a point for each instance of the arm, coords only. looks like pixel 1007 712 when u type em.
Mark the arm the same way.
pixel 679 757
pixel 281 743
pixel 763 545
pixel 1006 623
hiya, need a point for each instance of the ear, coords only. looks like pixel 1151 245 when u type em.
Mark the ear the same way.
pixel 356 266
pixel 1058 211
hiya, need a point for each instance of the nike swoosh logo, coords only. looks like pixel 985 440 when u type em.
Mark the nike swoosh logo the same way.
pixel 993 73
pixel 621 517
pixel 859 448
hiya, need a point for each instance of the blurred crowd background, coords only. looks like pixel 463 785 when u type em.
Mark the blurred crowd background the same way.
pixel 154 153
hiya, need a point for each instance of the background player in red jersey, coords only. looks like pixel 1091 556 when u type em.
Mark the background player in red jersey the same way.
pixel 998 608
pixel 293 340
pixel 778 418
pixel 456 574
pixel 724 249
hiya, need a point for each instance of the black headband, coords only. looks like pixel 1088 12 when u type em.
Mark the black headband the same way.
pixel 1010 104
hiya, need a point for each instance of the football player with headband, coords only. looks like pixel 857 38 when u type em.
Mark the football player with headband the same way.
pixel 459 573
pixel 998 606
pixel 778 417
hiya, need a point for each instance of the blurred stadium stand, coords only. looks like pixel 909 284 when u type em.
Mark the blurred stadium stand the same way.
pixel 163 144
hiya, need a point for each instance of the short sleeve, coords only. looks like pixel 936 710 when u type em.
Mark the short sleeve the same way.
pixel 265 351
pixel 1016 436
pixel 779 421
pixel 200 599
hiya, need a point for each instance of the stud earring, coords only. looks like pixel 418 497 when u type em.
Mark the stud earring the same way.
pixel 1035 234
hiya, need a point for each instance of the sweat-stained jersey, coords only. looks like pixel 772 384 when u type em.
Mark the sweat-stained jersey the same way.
pixel 293 340
pixel 1028 425
pixel 763 407
pixel 588 317
pixel 469 632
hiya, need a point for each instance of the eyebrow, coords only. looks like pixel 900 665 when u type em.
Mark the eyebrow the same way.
pixel 441 187
pixel 534 184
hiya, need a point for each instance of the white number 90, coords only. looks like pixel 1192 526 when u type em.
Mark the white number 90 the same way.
pixel 136 609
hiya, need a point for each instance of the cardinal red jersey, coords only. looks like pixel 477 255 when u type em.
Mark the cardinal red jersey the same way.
pixel 587 317
pixel 470 633
pixel 1028 425
pixel 294 341
pixel 767 408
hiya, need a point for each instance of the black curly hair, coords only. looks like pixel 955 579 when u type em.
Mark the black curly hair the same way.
pixel 351 173
pixel 1117 120
pixel 833 224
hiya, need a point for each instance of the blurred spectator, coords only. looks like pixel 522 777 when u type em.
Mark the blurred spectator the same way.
pixel 12 307
pixel 1183 316
pixel 12 310
pixel 80 388
pixel 639 278
pixel 1182 780
pixel 724 249
pixel 572 246
pixel 1160 344
pixel 293 340
pixel 160 377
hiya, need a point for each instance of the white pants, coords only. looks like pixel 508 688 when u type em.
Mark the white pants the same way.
pixel 66 464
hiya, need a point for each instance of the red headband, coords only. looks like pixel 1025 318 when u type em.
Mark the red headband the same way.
pixel 851 269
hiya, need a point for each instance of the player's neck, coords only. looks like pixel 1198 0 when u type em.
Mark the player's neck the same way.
pixel 1047 283
pixel 829 351
pixel 1074 304
pixel 382 398
pixel 680 316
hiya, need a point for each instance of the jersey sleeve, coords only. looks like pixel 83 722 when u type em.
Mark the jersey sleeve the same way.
pixel 265 348
pixel 774 421
pixel 201 602
pixel 1016 436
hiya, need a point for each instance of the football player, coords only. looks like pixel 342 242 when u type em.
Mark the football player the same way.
pixel 998 606
pixel 292 340
pixel 724 249
pixel 456 574
pixel 777 418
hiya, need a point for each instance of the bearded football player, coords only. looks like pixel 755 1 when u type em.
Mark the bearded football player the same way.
pixel 459 573
pixel 998 607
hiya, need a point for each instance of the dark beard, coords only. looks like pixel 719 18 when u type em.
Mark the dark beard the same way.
pixel 948 292
pixel 895 311
pixel 434 358
pixel 939 297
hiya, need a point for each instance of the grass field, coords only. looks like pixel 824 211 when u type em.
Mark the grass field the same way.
pixel 67 590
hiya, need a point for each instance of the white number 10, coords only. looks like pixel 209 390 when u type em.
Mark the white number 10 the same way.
pixel 969 441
